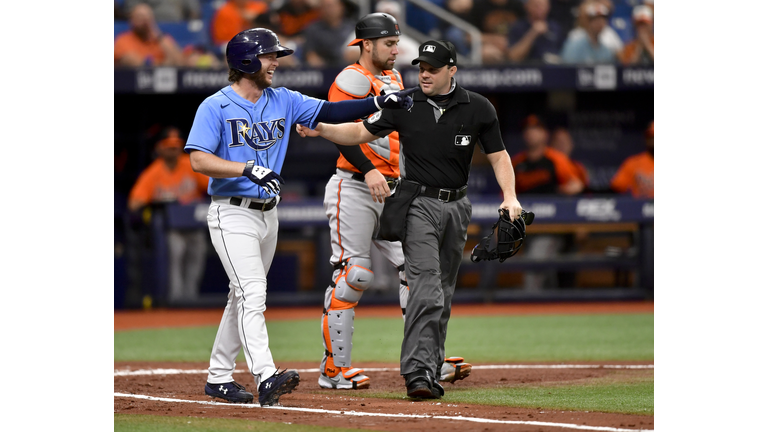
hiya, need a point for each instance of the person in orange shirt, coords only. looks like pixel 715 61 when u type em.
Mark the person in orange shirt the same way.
pixel 144 44
pixel 635 175
pixel 640 50
pixel 563 142
pixel 235 16
pixel 168 179
pixel 295 15
pixel 542 170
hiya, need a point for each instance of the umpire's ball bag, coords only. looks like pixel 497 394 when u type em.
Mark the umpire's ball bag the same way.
pixel 392 222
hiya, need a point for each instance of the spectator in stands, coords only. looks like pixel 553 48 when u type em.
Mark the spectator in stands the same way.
pixel 541 170
pixel 233 17
pixel 170 179
pixel 295 15
pixel 169 10
pixel 563 142
pixel 423 21
pixel 494 19
pixel 462 9
pixel 407 47
pixel 324 38
pixel 635 175
pixel 640 50
pixel 536 38
pixel 590 49
pixel 565 13
pixel 607 36
pixel 144 44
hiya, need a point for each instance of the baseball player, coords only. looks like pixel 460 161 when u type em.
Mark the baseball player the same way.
pixel 354 199
pixel 239 138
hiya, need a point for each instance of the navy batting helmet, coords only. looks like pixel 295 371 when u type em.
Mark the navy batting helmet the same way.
pixel 244 49
pixel 375 25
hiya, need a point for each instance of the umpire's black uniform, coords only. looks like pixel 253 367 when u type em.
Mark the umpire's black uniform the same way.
pixel 437 138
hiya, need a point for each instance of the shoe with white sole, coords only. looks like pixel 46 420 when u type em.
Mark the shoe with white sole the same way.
pixel 351 378
pixel 454 369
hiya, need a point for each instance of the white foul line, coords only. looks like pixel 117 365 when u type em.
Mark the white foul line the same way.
pixel 558 366
pixel 366 414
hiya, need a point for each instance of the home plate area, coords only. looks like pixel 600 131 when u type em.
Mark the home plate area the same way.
pixel 176 389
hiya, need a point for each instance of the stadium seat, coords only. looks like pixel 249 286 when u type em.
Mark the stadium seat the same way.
pixel 121 26
pixel 186 33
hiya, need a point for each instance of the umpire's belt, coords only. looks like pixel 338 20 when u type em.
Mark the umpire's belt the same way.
pixel 251 203
pixel 391 182
pixel 444 195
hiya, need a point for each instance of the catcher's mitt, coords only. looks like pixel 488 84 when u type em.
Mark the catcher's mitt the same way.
pixel 510 237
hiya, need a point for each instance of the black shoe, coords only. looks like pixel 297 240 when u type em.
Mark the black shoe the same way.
pixel 230 392
pixel 277 385
pixel 437 390
pixel 419 385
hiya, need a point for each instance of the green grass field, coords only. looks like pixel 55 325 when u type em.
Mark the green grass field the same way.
pixel 506 339
pixel 497 339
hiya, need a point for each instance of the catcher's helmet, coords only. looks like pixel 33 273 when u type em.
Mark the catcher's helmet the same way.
pixel 509 237
pixel 375 25
pixel 244 49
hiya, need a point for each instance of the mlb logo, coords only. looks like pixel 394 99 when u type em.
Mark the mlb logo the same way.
pixel 429 48
pixel 463 140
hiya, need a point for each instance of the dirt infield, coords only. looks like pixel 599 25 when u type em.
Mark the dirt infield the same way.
pixel 189 386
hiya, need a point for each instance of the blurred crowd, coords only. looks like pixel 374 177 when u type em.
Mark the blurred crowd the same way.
pixel 193 33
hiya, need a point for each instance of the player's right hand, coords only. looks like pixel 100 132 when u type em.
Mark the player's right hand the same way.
pixel 397 100
pixel 264 177
pixel 377 184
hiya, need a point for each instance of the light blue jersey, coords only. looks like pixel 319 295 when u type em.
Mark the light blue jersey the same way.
pixel 234 129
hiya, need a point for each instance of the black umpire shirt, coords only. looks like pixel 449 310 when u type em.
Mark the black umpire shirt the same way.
pixel 436 149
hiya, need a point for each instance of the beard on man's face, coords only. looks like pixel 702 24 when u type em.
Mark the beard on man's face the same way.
pixel 379 62
pixel 260 78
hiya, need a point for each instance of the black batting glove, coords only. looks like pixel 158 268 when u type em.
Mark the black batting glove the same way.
pixel 266 178
pixel 397 100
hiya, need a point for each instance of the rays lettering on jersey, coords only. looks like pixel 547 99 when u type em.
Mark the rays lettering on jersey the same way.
pixel 260 136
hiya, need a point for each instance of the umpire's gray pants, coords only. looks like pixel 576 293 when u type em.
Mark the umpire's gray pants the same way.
pixel 434 244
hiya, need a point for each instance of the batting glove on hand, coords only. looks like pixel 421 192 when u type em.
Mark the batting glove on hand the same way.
pixel 397 100
pixel 264 177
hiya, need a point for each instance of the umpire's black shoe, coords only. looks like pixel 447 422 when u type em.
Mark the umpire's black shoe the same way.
pixel 437 390
pixel 419 385
pixel 231 392
pixel 277 385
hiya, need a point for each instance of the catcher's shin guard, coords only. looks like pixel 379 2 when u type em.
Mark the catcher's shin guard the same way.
pixel 454 369
pixel 337 335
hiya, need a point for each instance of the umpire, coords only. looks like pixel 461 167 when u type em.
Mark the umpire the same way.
pixel 437 138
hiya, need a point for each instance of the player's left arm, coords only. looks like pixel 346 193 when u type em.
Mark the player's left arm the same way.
pixel 344 111
pixel 505 176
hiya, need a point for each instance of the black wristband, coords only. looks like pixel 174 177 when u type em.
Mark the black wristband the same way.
pixel 248 167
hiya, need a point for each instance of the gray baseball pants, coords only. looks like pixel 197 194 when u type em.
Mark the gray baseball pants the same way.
pixel 436 233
